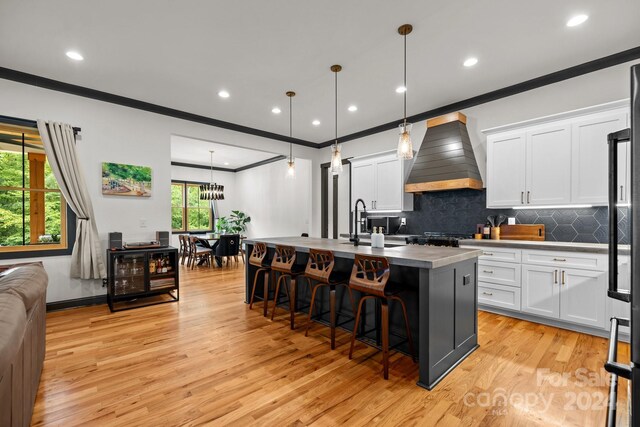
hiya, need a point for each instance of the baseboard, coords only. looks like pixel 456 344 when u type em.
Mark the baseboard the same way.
pixel 78 302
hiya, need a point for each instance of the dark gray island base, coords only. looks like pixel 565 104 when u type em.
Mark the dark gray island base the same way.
pixel 440 287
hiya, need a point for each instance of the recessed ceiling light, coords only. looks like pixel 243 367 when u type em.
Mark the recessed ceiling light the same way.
pixel 352 108
pixel 226 163
pixel 74 55
pixel 577 20
pixel 223 94
pixel 401 89
pixel 470 62
pixel 276 110
pixel 316 122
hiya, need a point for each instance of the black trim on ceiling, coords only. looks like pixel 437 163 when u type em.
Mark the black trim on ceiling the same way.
pixel 547 79
pixel 260 163
pixel 241 168
pixel 193 165
pixel 46 83
pixel 78 302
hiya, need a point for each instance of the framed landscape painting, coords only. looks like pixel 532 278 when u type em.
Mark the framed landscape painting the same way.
pixel 126 180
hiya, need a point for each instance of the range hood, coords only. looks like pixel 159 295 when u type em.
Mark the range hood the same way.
pixel 445 160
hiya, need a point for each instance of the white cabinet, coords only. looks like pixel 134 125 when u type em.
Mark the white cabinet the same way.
pixel 505 170
pixel 540 291
pixel 618 308
pixel 379 181
pixel 529 168
pixel 583 296
pixel 589 167
pixel 560 160
pixel 362 184
pixel 548 166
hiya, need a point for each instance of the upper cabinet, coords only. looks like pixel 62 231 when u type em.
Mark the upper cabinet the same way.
pixel 556 161
pixel 379 181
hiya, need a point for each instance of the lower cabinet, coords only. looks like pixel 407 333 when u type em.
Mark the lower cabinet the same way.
pixel 572 295
pixel 499 295
pixel 540 291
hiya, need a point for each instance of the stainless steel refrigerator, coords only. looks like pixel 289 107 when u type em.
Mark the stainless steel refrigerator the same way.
pixel 631 296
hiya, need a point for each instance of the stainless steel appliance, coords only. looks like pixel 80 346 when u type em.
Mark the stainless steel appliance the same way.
pixel 436 238
pixel 632 297
pixel 390 224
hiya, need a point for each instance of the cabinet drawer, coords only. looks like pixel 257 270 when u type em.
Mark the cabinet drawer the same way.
pixel 499 254
pixel 499 296
pixel 501 273
pixel 585 261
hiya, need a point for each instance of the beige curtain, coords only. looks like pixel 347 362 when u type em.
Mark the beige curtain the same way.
pixel 87 261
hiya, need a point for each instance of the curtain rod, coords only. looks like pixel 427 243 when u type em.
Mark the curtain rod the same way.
pixel 28 123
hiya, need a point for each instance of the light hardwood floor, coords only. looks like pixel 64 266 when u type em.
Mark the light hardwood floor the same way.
pixel 210 360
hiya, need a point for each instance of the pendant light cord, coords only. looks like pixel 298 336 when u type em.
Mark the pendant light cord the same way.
pixel 336 105
pixel 405 81
pixel 211 170
pixel 290 127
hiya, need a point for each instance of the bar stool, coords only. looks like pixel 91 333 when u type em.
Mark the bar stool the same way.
pixel 257 258
pixel 370 275
pixel 284 263
pixel 320 270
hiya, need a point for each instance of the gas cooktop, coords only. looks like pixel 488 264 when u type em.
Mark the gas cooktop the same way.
pixel 438 238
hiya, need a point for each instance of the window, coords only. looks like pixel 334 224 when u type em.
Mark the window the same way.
pixel 33 213
pixel 188 212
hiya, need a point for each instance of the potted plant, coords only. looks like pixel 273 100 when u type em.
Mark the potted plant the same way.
pixel 222 225
pixel 238 221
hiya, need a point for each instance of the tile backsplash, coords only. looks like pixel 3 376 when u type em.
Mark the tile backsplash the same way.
pixel 459 211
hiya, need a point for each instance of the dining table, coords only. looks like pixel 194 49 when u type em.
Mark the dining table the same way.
pixel 209 240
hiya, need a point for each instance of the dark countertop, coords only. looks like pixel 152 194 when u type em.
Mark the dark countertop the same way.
pixel 409 256
pixel 598 248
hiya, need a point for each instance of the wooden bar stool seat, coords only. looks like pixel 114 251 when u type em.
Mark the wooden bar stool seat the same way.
pixel 284 264
pixel 319 272
pixel 258 258
pixel 370 276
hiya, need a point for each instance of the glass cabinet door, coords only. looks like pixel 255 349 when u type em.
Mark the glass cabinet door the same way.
pixel 129 273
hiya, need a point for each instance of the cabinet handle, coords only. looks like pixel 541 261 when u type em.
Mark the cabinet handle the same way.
pixel 563 278
pixel 522 197
pixel 528 197
pixel 488 271
pixel 622 193
pixel 555 277
pixel 559 259
pixel 487 253
pixel 487 293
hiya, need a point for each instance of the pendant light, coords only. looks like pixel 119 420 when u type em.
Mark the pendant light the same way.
pixel 291 163
pixel 336 157
pixel 211 191
pixel 405 146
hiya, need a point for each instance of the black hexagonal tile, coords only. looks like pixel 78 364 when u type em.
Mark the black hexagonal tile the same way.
pixel 585 224
pixel 565 216
pixel 602 234
pixel 586 238
pixel 526 216
pixel 602 215
pixel 586 211
pixel 564 233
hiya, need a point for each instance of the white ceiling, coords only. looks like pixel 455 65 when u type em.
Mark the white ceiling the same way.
pixel 196 151
pixel 181 53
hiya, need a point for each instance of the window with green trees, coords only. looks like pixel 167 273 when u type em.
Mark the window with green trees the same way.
pixel 188 212
pixel 32 209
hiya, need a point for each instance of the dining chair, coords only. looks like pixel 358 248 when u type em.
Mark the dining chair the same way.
pixel 228 247
pixel 198 254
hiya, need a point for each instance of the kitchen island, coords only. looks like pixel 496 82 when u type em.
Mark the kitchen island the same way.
pixel 440 292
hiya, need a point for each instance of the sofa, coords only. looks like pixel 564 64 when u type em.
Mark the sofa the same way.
pixel 22 340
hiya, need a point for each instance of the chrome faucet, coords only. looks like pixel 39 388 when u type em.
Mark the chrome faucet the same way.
pixel 355 239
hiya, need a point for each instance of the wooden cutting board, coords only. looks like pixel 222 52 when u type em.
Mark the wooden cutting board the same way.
pixel 522 232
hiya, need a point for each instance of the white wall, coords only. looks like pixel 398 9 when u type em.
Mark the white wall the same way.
pixel 118 134
pixel 278 206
